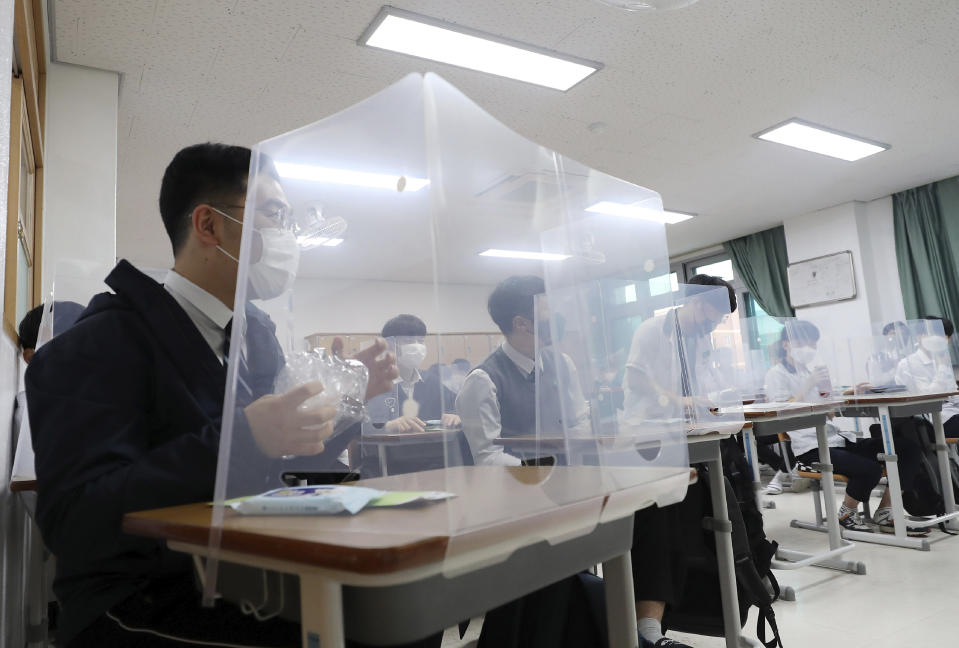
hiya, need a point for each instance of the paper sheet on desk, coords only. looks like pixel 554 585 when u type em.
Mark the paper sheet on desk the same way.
pixel 328 500
pixel 769 407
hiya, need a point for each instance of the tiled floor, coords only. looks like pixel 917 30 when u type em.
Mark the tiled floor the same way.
pixel 906 598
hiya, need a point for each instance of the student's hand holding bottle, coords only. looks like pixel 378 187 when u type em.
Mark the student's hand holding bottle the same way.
pixel 281 427
pixel 817 379
pixel 380 363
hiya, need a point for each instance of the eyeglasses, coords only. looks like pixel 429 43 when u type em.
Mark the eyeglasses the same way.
pixel 277 216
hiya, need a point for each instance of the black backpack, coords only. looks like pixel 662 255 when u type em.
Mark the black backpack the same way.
pixel 700 610
pixel 925 497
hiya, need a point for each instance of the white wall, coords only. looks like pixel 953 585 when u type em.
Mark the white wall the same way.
pixel 80 174
pixel 876 234
pixel 866 230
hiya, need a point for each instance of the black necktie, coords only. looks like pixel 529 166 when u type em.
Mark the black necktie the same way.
pixel 228 331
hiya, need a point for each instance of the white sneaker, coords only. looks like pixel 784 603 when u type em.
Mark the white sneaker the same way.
pixel 773 488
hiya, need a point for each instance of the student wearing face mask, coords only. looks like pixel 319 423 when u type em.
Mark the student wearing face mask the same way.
pixel 929 369
pixel 897 343
pixel 139 427
pixel 797 376
pixel 498 397
pixel 409 332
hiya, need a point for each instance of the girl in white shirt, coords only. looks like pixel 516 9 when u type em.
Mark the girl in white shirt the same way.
pixel 793 379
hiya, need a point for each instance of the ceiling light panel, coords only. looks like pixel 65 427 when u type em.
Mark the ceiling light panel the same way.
pixel 428 38
pixel 522 254
pixel 819 139
pixel 637 211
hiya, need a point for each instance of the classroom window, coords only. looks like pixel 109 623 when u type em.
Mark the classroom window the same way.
pixel 722 268
pixel 22 284
pixel 21 292
pixel 663 284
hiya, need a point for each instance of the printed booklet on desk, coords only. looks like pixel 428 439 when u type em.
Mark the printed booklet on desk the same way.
pixel 328 500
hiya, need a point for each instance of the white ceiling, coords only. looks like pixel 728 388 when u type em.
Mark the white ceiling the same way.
pixel 681 92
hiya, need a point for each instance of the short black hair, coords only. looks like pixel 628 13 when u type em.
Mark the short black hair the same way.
pixel 29 328
pixel 404 326
pixel 65 315
pixel 514 296
pixel 795 332
pixel 894 327
pixel 710 280
pixel 198 174
pixel 947 326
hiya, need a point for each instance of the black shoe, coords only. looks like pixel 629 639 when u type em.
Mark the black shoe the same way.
pixel 665 642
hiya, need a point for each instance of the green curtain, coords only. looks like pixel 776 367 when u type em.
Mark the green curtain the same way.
pixel 759 260
pixel 927 242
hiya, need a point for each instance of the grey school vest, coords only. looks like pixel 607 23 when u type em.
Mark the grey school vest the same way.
pixel 516 394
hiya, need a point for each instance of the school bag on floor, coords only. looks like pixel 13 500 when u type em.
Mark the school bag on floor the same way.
pixel 925 497
pixel 700 610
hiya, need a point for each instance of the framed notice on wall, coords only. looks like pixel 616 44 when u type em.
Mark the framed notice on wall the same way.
pixel 821 280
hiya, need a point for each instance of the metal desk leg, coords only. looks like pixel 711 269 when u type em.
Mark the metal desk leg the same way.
pixel 321 612
pixel 620 602
pixel 724 554
pixel 381 451
pixel 36 588
pixel 942 452
pixel 828 488
pixel 837 545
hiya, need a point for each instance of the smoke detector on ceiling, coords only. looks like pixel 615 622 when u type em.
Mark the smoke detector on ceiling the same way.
pixel 649 5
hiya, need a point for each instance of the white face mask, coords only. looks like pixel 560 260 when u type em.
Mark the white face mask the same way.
pixel 935 344
pixel 803 355
pixel 411 357
pixel 273 273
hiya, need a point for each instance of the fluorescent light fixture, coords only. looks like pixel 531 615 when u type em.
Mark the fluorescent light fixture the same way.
pixel 819 139
pixel 348 177
pixel 632 210
pixel 520 254
pixel 308 242
pixel 423 37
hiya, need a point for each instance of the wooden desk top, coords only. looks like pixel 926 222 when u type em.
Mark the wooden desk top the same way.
pixel 895 398
pixel 21 485
pixel 492 502
pixel 758 411
pixel 719 428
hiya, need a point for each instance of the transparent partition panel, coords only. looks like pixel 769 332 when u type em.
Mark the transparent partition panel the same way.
pixel 337 237
pixel 710 351
pixel 919 352
pixel 760 339
pixel 802 362
pixel 75 283
pixel 612 343
pixel 416 201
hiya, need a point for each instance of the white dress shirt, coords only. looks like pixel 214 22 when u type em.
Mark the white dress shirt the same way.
pixel 783 385
pixel 479 409
pixel 208 314
pixel 921 374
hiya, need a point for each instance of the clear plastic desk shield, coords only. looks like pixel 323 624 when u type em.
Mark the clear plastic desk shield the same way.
pixel 760 338
pixel 901 359
pixel 804 364
pixel 74 284
pixel 610 357
pixel 384 209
